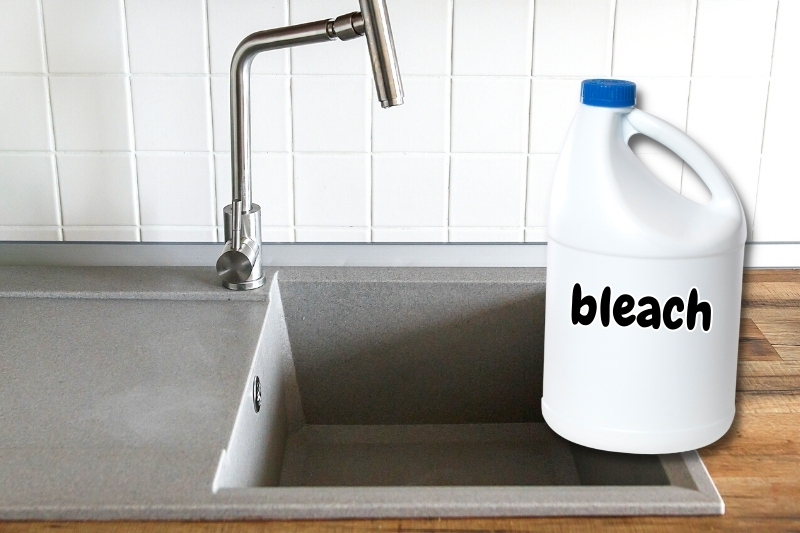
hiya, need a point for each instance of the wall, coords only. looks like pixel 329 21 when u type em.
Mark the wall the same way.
pixel 114 120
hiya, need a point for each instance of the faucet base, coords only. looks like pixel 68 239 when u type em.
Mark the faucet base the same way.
pixel 245 285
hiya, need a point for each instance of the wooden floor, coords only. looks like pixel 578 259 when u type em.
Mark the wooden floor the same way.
pixel 756 466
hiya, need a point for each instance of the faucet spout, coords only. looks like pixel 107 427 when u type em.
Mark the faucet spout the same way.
pixel 240 265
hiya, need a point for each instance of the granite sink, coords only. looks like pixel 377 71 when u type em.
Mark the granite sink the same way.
pixel 130 393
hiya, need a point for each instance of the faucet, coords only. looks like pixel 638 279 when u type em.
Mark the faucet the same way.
pixel 240 265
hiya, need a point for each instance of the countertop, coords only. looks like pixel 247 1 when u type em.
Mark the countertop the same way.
pixel 756 466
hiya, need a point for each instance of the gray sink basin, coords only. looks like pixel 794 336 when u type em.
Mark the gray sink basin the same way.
pixel 417 393
pixel 127 393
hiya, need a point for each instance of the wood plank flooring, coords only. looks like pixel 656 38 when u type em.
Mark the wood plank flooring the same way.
pixel 756 466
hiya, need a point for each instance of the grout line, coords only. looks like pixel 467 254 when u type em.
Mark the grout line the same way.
pixel 52 133
pixel 613 32
pixel 448 191
pixel 131 126
pixel 290 121
pixel 210 109
pixel 764 126
pixel 689 93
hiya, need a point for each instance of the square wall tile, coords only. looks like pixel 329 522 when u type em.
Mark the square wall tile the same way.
pixel 331 113
pixel 486 234
pixel 179 234
pixel 777 217
pixel 98 189
pixel 331 190
pixel 734 38
pixel 276 234
pixel 339 57
pixel 269 114
pixel 21 37
pixel 167 37
pixel 230 21
pixel 727 116
pixel 24 114
pixel 272 187
pixel 421 124
pixel 541 169
pixel 85 36
pixel 28 190
pixel 553 106
pixel 101 233
pixel 409 189
pixel 490 114
pixel 653 37
pixel 487 190
pixel 438 234
pixel 572 38
pixel 346 234
pixel 536 234
pixel 30 233
pixel 423 43
pixel 91 113
pixel 666 166
pixel 171 113
pixel 781 132
pixel 176 189
pixel 786 50
pixel 508 52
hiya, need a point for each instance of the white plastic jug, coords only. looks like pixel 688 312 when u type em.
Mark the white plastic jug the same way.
pixel 643 288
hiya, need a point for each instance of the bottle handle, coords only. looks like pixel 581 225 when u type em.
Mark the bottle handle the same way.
pixel 723 196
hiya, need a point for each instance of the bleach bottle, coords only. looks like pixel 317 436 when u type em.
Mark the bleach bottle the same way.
pixel 643 288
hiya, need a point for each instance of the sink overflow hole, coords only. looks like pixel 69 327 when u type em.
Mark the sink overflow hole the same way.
pixel 256 394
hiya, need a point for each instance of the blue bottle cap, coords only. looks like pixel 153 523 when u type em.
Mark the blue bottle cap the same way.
pixel 608 93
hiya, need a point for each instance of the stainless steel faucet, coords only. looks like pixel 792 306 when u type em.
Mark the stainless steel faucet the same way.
pixel 240 265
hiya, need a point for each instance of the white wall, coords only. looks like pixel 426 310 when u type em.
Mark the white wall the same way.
pixel 114 120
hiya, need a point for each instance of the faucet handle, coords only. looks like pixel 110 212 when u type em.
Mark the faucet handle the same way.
pixel 235 265
pixel 240 266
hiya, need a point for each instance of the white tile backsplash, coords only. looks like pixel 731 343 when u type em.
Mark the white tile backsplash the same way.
pixel 487 190
pixel 490 114
pixel 171 113
pixel 332 190
pixel 782 128
pixel 786 52
pixel 21 39
pixel 331 113
pixel 777 217
pixel 28 190
pixel 24 113
pixel 98 189
pixel 409 189
pixel 734 37
pixel 85 36
pixel 572 38
pixel 91 113
pixel 475 54
pixel 167 37
pixel 654 37
pixel 102 233
pixel 176 189
pixel 421 124
pixel 116 112
pixel 553 104
pixel 423 43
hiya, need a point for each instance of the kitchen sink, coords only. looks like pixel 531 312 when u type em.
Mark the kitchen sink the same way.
pixel 416 392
